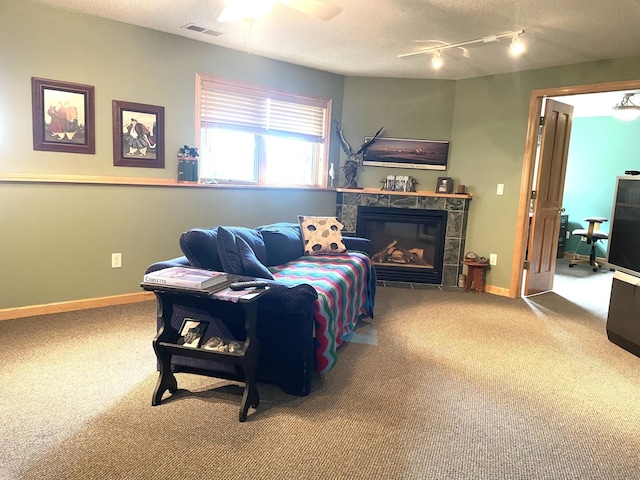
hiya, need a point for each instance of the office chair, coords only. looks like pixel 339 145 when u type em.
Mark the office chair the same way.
pixel 592 234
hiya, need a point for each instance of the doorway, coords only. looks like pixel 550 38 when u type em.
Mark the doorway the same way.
pixel 535 109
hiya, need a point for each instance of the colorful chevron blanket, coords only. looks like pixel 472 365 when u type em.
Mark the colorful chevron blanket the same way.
pixel 346 285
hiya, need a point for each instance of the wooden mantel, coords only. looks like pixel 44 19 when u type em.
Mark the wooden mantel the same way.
pixel 420 193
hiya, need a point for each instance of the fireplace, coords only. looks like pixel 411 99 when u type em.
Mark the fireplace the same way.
pixel 350 201
pixel 407 245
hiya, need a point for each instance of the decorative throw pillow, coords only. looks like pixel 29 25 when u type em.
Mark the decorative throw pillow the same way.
pixel 200 246
pixel 321 235
pixel 283 242
pixel 237 257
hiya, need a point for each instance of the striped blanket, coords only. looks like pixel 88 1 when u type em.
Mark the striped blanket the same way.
pixel 346 286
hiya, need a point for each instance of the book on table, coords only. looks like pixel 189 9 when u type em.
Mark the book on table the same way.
pixel 185 277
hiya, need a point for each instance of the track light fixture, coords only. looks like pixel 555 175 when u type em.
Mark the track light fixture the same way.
pixel 516 47
pixel 626 110
pixel 436 61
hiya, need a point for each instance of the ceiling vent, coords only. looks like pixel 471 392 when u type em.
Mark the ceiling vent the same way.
pixel 196 28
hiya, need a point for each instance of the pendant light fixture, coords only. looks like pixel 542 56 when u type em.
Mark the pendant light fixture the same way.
pixel 626 110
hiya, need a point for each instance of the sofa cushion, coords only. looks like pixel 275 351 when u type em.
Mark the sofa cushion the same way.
pixel 283 242
pixel 321 235
pixel 200 246
pixel 237 257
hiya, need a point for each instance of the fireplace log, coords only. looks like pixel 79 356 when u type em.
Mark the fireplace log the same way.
pixel 384 253
pixel 396 254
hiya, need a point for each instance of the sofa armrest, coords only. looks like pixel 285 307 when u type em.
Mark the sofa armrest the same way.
pixel 358 244
pixel 174 262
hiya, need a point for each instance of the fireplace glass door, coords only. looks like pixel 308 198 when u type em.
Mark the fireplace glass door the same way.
pixel 407 245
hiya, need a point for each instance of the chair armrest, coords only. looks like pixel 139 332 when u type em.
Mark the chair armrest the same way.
pixel 174 262
pixel 358 244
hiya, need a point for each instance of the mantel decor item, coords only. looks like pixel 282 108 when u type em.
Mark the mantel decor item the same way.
pixel 399 183
pixel 444 185
pixel 63 116
pixel 354 159
pixel 138 135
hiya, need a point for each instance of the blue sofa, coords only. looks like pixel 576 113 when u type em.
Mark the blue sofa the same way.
pixel 295 340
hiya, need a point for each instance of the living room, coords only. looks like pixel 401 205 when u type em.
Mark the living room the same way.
pixel 86 217
pixel 489 387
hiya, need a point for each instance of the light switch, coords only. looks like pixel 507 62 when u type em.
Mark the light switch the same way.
pixel 500 190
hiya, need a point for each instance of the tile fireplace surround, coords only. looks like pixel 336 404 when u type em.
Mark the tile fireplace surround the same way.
pixel 457 207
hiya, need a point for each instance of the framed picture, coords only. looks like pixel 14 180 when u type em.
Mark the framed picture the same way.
pixel 407 153
pixel 138 135
pixel 63 116
pixel 444 185
pixel 191 332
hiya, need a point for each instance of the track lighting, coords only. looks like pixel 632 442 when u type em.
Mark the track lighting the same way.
pixel 516 47
pixel 436 61
pixel 626 110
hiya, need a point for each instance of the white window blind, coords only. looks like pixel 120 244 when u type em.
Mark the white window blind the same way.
pixel 261 111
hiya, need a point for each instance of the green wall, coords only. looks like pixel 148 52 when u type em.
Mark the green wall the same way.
pixel 406 108
pixel 57 239
pixel 67 232
pixel 601 148
pixel 488 138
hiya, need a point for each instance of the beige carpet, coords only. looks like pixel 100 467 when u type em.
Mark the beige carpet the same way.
pixel 440 385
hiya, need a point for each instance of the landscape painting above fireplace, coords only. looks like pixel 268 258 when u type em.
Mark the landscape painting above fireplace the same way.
pixel 406 153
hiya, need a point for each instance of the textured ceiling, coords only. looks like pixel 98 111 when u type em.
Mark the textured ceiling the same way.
pixel 367 36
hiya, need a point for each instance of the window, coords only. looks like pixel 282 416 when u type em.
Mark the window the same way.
pixel 250 135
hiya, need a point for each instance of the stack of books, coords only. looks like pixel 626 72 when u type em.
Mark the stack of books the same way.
pixel 187 278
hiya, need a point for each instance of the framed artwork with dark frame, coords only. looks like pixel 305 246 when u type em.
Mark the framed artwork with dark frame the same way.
pixel 444 185
pixel 138 135
pixel 191 332
pixel 63 116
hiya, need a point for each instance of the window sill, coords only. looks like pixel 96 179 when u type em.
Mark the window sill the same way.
pixel 139 181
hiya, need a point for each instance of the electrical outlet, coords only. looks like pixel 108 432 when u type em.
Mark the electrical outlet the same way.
pixel 493 259
pixel 116 260
pixel 500 189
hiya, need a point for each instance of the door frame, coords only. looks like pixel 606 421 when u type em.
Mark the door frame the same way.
pixel 526 183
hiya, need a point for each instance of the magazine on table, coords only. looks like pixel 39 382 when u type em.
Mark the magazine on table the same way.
pixel 185 277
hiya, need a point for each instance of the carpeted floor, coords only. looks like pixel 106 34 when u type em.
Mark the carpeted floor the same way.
pixel 440 385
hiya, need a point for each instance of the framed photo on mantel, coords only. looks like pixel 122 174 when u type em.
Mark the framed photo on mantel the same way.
pixel 444 185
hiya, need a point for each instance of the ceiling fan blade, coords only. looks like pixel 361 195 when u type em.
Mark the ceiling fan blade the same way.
pixel 315 8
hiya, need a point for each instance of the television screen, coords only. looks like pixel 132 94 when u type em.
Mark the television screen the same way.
pixel 405 153
pixel 623 250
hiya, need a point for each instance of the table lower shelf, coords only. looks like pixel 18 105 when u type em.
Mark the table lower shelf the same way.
pixel 245 360
pixel 203 353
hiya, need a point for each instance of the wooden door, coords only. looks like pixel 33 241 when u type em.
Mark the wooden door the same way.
pixel 547 206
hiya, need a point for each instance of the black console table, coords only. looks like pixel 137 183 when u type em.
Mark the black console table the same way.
pixel 165 345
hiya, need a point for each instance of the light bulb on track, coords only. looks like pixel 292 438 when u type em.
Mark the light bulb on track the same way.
pixel 436 61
